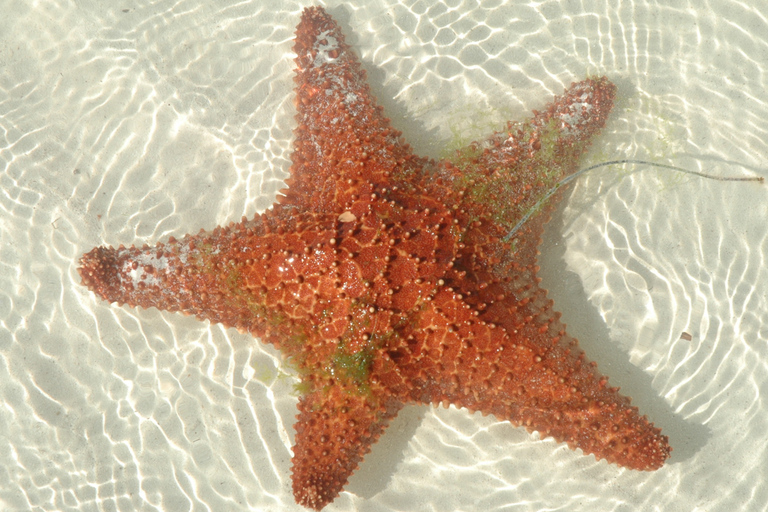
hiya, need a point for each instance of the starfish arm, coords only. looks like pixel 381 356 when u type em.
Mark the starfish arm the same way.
pixel 149 277
pixel 504 177
pixel 247 275
pixel 531 374
pixel 559 393
pixel 335 428
pixel 344 147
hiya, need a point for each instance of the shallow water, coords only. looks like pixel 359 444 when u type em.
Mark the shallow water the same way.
pixel 125 124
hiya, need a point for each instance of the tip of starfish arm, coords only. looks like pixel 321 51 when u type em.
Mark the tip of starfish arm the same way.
pixel 314 496
pixel 97 272
pixel 649 452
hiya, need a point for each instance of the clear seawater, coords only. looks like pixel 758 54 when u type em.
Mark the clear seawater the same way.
pixel 128 122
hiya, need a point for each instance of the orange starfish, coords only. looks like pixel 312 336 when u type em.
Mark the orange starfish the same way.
pixel 390 279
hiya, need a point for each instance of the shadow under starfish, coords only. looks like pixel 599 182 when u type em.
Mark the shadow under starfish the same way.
pixel 389 279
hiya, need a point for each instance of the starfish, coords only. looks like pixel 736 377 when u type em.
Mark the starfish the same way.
pixel 388 279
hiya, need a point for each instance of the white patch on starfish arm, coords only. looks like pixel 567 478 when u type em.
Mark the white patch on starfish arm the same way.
pixel 324 49
pixel 139 274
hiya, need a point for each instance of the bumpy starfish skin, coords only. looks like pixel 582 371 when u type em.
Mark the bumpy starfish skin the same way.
pixel 390 279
